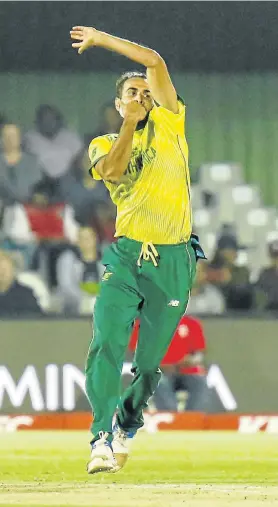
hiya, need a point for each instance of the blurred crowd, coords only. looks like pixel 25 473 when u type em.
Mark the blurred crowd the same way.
pixel 54 218
pixel 55 221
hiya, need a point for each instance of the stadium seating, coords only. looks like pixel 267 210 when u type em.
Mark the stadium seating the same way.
pixel 214 177
pixel 237 204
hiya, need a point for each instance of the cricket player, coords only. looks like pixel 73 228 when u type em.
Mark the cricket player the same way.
pixel 151 267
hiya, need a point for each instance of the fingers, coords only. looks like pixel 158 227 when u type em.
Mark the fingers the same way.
pixel 76 36
pixel 79 46
pixel 76 32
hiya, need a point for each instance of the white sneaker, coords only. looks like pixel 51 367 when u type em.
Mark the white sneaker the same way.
pixel 120 445
pixel 102 459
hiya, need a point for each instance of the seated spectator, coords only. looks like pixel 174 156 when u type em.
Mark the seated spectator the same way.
pixel 43 228
pixel 231 279
pixel 109 121
pixel 78 271
pixel 15 299
pixel 53 144
pixel 19 171
pixel 51 221
pixel 205 298
pixel 267 284
pixel 182 366
pixel 82 192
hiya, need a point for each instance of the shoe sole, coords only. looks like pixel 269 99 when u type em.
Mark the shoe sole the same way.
pixel 100 465
pixel 121 459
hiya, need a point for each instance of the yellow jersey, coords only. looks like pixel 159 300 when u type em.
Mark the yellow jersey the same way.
pixel 153 195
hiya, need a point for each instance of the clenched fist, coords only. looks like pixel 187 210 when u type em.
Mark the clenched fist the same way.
pixel 134 111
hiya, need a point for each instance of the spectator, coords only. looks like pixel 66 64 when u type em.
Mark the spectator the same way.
pixel 231 279
pixel 54 145
pixel 19 171
pixel 15 299
pixel 78 269
pixel 205 298
pixel 43 226
pixel 183 368
pixel 267 285
pixel 110 121
pixel 84 194
pixel 47 220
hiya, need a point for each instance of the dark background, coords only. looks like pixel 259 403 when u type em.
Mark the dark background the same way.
pixel 208 36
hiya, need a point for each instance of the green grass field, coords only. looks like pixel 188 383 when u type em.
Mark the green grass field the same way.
pixel 170 469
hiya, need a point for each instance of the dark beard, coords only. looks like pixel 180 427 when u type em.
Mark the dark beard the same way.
pixel 142 123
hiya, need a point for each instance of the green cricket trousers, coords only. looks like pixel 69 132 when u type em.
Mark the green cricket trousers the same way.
pixel 145 281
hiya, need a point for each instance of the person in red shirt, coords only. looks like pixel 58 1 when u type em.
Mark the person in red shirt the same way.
pixel 182 366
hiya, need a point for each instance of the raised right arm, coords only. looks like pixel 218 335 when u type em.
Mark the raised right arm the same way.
pixel 113 165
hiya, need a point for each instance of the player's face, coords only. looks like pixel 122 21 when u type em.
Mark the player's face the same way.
pixel 135 88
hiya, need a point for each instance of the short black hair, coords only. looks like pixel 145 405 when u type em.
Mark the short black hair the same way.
pixel 124 77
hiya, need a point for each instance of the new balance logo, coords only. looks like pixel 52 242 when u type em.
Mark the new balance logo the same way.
pixel 174 302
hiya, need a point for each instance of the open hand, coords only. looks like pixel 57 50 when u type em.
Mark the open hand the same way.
pixel 87 37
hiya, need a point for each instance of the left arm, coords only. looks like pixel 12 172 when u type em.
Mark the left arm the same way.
pixel 161 86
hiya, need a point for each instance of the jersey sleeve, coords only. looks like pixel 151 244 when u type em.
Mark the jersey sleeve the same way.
pixel 175 121
pixel 99 147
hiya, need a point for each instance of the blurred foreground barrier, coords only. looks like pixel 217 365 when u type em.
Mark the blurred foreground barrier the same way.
pixel 157 421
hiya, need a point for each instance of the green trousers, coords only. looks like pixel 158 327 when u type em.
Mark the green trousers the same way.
pixel 159 297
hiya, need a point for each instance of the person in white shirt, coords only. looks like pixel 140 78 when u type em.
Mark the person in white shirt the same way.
pixel 78 271
pixel 53 144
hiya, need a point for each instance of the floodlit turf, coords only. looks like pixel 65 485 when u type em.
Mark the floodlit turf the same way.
pixel 170 469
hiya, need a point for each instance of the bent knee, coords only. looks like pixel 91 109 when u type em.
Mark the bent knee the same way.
pixel 146 371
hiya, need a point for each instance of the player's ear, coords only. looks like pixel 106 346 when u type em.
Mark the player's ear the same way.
pixel 118 104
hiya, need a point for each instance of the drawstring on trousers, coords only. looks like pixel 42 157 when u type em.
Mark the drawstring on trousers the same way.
pixel 148 252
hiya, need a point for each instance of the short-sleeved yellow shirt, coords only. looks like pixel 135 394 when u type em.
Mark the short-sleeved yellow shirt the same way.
pixel 153 195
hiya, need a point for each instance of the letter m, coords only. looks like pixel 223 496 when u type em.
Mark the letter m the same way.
pixel 28 383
